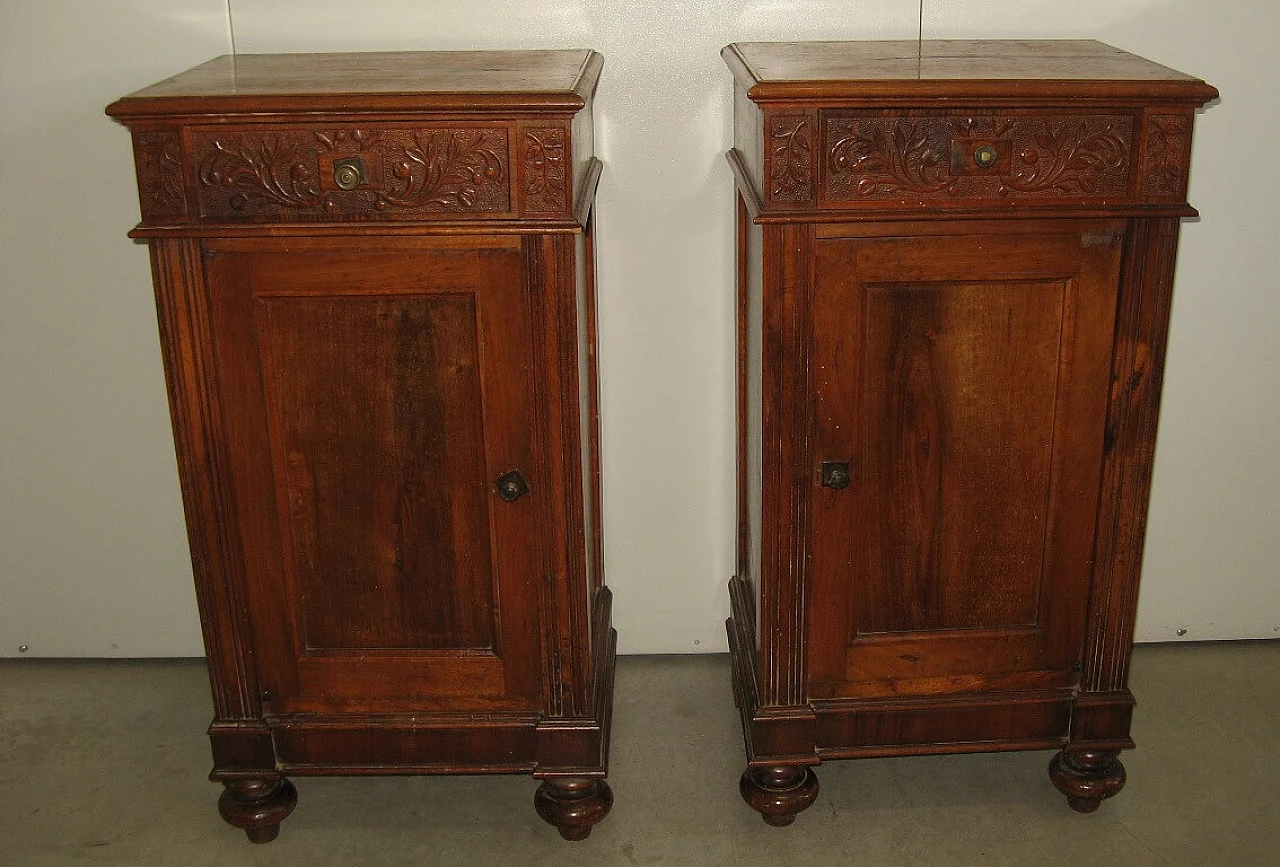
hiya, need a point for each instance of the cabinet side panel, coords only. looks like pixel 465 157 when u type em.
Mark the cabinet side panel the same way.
pixel 753 335
pixel 550 263
pixel 588 402
pixel 786 434
pixel 196 410
pixel 1137 374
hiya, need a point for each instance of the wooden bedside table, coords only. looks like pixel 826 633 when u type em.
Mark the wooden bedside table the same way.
pixel 955 262
pixel 374 279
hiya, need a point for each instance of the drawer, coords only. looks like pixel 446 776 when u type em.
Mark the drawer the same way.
pixel 289 173
pixel 900 157
pixel 335 173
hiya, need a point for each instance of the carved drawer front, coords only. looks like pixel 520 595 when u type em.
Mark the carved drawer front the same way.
pixel 290 173
pixel 899 157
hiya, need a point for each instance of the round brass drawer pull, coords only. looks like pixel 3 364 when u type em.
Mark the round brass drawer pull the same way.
pixel 985 157
pixel 347 176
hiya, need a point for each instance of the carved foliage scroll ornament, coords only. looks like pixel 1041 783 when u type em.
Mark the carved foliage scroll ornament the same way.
pixel 271 168
pixel 546 187
pixel 890 159
pixel 1072 158
pixel 163 192
pixel 281 173
pixel 887 157
pixel 1168 156
pixel 447 169
pixel 790 158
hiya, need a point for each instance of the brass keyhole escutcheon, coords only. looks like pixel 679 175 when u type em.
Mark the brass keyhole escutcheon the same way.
pixel 511 486
pixel 349 173
pixel 836 475
pixel 985 157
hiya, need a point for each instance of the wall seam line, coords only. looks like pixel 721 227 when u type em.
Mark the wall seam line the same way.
pixel 231 29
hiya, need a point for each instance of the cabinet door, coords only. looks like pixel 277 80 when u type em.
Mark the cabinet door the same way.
pixel 963 375
pixel 373 392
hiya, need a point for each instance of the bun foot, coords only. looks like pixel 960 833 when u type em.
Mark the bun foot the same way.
pixel 1084 805
pixel 778 792
pixel 573 804
pixel 258 806
pixel 1087 777
pixel 263 834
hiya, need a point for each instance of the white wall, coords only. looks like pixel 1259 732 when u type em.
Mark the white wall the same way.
pixel 93 557
pixel 94 561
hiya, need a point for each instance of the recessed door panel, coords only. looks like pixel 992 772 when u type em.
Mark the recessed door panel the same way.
pixel 957 452
pixel 375 404
pixel 379 390
pixel 963 378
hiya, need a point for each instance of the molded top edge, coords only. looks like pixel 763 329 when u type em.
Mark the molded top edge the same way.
pixel 377 81
pixel 937 69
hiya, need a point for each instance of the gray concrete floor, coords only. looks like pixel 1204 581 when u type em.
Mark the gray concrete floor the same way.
pixel 105 763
